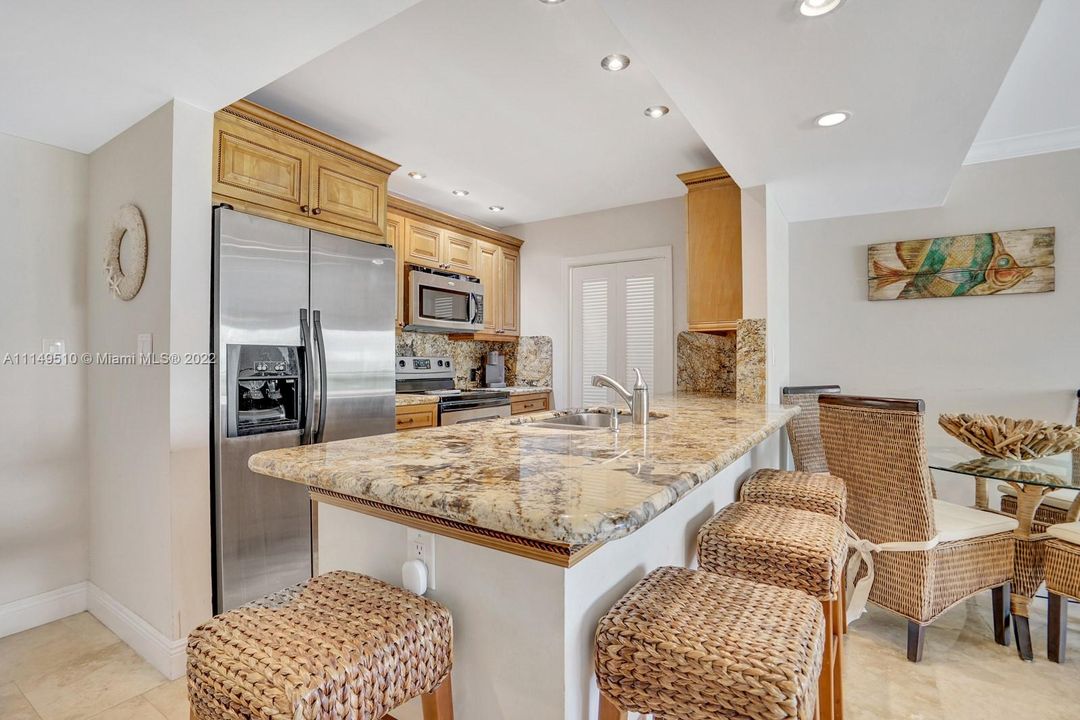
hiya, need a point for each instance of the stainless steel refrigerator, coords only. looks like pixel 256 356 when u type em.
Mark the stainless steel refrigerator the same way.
pixel 303 332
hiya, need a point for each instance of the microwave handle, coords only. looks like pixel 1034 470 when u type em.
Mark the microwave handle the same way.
pixel 476 308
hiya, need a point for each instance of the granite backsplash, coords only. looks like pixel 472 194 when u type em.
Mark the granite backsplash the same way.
pixel 732 364
pixel 528 361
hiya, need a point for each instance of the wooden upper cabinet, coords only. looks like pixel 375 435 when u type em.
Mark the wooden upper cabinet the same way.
pixel 395 234
pixel 459 253
pixel 256 165
pixel 423 243
pixel 714 250
pixel 270 165
pixel 434 239
pixel 487 271
pixel 509 292
pixel 348 194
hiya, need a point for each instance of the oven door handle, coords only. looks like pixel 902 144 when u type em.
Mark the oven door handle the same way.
pixel 479 419
pixel 452 405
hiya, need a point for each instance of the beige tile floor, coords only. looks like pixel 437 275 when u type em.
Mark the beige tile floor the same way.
pixel 75 669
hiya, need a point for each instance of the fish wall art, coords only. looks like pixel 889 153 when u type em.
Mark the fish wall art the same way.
pixel 998 263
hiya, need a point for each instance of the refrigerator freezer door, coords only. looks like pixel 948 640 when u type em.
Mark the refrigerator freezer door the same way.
pixel 262 526
pixel 353 307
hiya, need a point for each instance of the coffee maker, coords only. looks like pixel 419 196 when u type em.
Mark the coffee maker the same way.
pixel 495 370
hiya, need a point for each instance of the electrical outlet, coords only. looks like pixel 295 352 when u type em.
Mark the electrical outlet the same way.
pixel 420 546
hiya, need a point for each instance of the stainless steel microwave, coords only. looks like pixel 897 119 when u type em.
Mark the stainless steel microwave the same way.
pixel 444 302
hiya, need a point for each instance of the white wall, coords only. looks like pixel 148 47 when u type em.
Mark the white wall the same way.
pixel 129 405
pixel 148 438
pixel 43 521
pixel 544 287
pixel 1014 355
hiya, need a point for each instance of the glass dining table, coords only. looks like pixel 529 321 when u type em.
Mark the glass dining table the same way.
pixel 1030 481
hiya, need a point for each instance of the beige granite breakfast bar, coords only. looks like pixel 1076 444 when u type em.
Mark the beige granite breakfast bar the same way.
pixel 538 529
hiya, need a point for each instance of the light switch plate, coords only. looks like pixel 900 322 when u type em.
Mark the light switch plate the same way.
pixel 52 346
pixel 144 346
pixel 420 546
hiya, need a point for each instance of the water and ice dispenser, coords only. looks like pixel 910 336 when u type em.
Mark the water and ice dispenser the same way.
pixel 266 389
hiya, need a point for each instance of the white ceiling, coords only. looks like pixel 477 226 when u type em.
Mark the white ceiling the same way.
pixel 503 98
pixel 75 74
pixel 506 98
pixel 919 76
pixel 1037 108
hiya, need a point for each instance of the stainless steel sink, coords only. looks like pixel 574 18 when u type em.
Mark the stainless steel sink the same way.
pixel 579 421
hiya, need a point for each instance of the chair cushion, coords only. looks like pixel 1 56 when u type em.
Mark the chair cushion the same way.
pixel 957 522
pixel 1060 499
pixel 1069 532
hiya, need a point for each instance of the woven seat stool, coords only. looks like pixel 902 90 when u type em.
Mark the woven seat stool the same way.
pixel 789 548
pixel 694 645
pixel 339 645
pixel 814 491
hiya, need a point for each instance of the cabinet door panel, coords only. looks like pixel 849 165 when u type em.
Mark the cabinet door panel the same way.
pixel 509 288
pixel 395 239
pixel 423 243
pixel 347 193
pixel 460 253
pixel 714 256
pixel 487 271
pixel 256 165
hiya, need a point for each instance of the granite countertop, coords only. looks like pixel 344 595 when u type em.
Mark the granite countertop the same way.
pixel 526 389
pixel 552 485
pixel 403 399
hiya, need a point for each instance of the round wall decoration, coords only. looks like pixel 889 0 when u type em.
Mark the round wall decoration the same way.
pixel 127 224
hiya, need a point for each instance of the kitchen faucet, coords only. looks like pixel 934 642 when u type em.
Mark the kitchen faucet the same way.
pixel 637 399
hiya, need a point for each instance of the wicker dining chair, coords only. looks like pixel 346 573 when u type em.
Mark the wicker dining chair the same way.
pixel 1062 583
pixel 804 433
pixel 1055 506
pixel 949 552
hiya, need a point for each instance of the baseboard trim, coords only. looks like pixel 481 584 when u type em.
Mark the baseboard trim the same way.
pixel 43 608
pixel 166 655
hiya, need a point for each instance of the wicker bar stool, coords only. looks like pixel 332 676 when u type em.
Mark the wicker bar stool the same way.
pixel 817 492
pixel 789 548
pixel 698 646
pixel 804 430
pixel 338 645
pixel 1062 583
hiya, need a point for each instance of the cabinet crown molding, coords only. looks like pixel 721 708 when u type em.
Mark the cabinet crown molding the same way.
pixel 247 110
pixel 707 175
pixel 405 206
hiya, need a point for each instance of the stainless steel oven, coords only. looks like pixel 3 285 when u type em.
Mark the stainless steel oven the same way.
pixel 435 376
pixel 444 302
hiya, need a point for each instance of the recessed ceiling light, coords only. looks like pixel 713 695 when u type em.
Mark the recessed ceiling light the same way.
pixel 832 119
pixel 460 193
pixel 655 111
pixel 615 62
pixel 551 2
pixel 496 208
pixel 417 175
pixel 816 8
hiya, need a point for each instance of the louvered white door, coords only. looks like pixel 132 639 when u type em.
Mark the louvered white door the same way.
pixel 621 319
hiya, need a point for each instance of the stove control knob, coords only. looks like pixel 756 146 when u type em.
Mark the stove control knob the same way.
pixel 401 363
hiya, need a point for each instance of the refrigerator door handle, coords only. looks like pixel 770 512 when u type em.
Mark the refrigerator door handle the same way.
pixel 309 386
pixel 320 346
